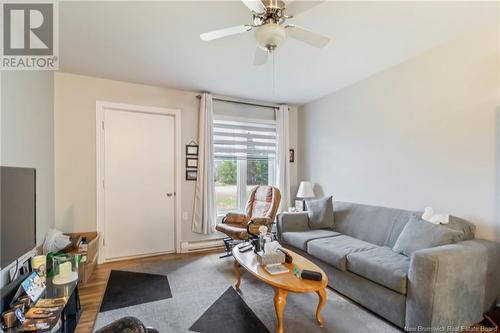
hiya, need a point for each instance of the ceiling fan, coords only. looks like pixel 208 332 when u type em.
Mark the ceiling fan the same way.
pixel 270 27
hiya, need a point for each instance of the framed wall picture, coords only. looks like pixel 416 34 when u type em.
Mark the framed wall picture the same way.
pixel 191 162
pixel 299 205
pixel 26 267
pixel 191 150
pixel 191 175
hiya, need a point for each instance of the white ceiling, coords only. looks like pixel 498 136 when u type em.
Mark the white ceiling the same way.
pixel 158 43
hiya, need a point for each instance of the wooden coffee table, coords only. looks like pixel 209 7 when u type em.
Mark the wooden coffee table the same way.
pixel 283 283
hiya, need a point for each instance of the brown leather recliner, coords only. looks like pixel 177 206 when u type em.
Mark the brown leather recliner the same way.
pixel 261 209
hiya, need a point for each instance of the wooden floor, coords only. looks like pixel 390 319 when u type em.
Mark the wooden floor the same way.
pixel 92 292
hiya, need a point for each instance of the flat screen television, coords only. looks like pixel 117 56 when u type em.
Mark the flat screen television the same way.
pixel 17 213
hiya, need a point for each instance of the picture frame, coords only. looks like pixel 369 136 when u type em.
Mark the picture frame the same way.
pixel 191 162
pixel 191 175
pixel 25 267
pixel 291 155
pixel 299 205
pixel 192 150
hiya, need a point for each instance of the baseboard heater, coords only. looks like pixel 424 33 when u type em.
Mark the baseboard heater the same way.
pixel 197 246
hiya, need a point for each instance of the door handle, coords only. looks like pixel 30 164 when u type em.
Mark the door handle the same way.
pixel 169 194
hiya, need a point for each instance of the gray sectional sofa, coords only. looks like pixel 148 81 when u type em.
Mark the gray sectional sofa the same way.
pixel 439 288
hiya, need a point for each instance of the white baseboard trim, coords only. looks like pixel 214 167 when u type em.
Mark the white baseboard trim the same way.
pixel 199 246
pixel 140 256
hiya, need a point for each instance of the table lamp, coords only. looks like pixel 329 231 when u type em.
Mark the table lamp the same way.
pixel 305 191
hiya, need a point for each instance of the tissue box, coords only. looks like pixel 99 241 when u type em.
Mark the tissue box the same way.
pixel 270 258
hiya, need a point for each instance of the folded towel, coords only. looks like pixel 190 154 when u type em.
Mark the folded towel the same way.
pixel 428 213
pixel 431 216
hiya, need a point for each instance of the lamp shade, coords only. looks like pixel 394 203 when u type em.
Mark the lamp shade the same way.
pixel 305 190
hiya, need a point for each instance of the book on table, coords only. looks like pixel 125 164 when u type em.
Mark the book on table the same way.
pixel 276 269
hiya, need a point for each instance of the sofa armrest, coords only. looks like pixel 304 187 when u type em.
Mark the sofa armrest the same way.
pixel 236 218
pixel 287 222
pixel 452 285
pixel 256 222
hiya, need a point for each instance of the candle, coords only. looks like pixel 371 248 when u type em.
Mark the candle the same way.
pixel 65 269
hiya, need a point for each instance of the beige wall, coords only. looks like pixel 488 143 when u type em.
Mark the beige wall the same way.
pixel 75 143
pixel 27 135
pixel 75 162
pixel 421 133
pixel 294 143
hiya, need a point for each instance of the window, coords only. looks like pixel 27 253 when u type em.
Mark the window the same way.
pixel 244 153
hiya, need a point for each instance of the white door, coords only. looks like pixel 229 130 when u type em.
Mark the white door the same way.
pixel 139 193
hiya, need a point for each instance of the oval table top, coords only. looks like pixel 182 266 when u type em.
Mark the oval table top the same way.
pixel 286 281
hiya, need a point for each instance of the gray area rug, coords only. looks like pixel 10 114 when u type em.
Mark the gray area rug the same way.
pixel 198 282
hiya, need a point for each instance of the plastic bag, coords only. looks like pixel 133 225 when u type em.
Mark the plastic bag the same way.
pixel 55 241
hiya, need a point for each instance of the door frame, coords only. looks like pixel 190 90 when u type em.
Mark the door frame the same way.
pixel 101 107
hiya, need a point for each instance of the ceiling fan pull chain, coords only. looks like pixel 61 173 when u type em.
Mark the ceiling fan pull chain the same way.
pixel 274 73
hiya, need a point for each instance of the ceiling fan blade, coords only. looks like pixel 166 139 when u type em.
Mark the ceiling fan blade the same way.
pixel 260 56
pixel 255 6
pixel 299 6
pixel 307 36
pixel 216 34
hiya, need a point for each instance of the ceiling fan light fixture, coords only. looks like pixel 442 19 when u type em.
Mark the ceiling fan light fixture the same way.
pixel 271 28
pixel 270 36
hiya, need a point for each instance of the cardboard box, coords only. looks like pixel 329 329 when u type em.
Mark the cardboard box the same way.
pixel 87 268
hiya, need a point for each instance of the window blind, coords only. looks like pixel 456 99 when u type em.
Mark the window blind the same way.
pixel 242 111
pixel 244 140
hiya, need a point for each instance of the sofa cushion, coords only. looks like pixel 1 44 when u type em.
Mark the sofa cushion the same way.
pixel 334 250
pixel 320 213
pixel 419 234
pixel 299 239
pixel 381 265
pixel 377 225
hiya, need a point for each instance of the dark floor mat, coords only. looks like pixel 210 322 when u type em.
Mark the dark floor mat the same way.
pixel 229 313
pixel 131 288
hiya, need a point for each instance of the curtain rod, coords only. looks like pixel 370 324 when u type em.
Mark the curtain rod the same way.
pixel 241 102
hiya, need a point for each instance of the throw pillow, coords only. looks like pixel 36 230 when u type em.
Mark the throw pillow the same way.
pixel 466 227
pixel 320 213
pixel 419 234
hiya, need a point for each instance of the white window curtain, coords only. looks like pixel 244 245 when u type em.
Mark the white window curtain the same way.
pixel 205 213
pixel 283 162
